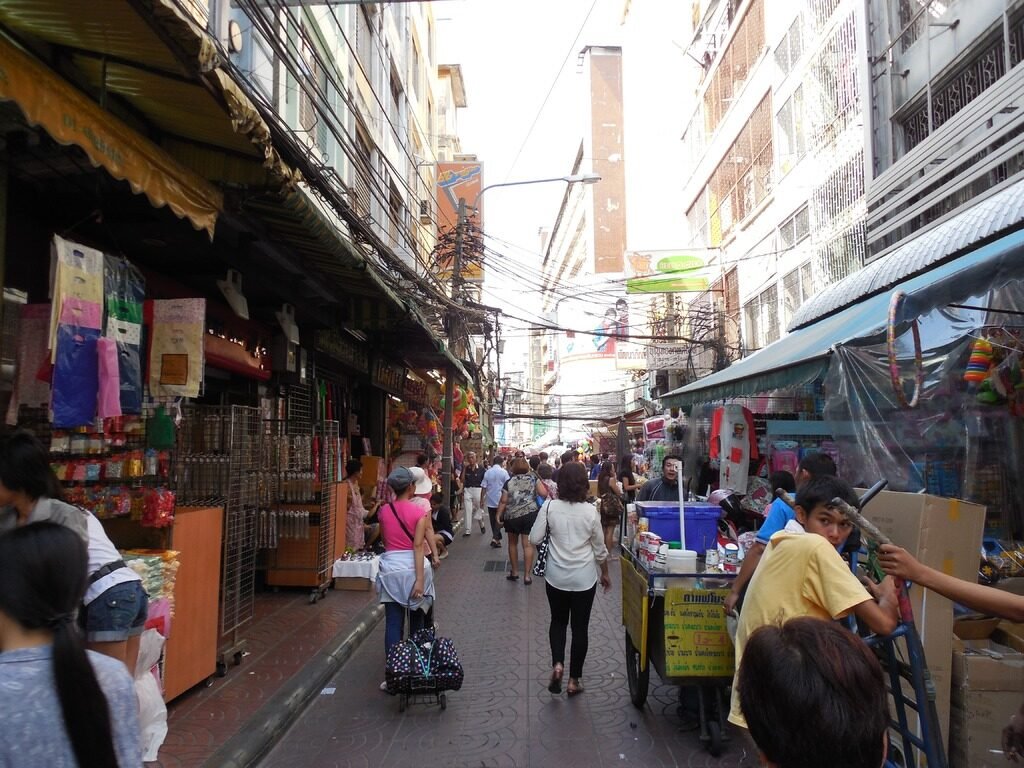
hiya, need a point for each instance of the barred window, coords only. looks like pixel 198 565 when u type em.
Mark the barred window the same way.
pixel 790 130
pixel 761 318
pixel 795 228
pixel 791 47
pixel 737 60
pixel 958 90
pixel 841 255
pixel 797 287
pixel 835 96
pixel 364 40
pixel 743 178
pixel 822 10
pixel 840 191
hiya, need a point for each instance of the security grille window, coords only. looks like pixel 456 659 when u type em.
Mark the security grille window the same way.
pixel 743 178
pixel 697 221
pixel 797 287
pixel 732 308
pixel 839 192
pixel 761 318
pixel 414 67
pixel 795 228
pixel 743 51
pixel 395 215
pixel 311 75
pixel 364 40
pixel 958 90
pixel 790 122
pixel 822 10
pixel 791 48
pixel 835 100
pixel 362 170
pixel 842 255
pixel 912 20
pixel 395 104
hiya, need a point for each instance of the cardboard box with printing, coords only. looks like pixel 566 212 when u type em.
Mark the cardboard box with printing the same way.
pixel 946 535
pixel 987 690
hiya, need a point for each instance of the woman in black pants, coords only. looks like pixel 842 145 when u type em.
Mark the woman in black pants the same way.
pixel 577 560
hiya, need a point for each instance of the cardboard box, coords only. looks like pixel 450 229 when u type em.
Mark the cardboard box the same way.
pixel 944 534
pixel 355 583
pixel 987 690
pixel 1010 634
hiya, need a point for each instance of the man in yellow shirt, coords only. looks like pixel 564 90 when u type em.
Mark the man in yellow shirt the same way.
pixel 802 574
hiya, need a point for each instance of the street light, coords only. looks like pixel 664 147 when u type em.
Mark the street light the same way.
pixel 448 444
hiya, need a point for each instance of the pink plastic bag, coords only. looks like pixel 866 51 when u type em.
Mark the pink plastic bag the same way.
pixel 109 401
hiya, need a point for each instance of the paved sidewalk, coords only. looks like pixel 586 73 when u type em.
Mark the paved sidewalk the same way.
pixel 503 716
pixel 285 635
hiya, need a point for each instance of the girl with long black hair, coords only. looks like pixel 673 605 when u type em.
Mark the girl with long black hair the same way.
pixel 59 704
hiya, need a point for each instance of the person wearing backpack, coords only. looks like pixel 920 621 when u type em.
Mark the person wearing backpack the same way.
pixel 517 511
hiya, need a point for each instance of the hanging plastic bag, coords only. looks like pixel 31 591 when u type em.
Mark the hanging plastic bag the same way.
pixel 109 401
pixel 176 353
pixel 152 709
pixel 125 292
pixel 31 353
pixel 76 365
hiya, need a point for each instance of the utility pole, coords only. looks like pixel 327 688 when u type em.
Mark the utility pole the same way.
pixel 448 439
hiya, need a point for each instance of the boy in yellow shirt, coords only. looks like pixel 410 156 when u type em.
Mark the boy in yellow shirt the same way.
pixel 802 574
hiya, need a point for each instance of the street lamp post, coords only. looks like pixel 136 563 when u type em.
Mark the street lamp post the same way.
pixel 448 445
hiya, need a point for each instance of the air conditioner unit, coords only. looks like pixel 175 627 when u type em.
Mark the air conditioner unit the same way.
pixel 425 212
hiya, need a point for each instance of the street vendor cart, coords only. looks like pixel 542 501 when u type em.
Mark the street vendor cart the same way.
pixel 675 621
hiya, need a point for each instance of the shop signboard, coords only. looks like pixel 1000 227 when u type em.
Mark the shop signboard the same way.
pixel 388 376
pixel 414 391
pixel 697 642
pixel 333 344
pixel 672 273
pixel 455 180
pixel 667 357
pixel 472 445
pixel 630 356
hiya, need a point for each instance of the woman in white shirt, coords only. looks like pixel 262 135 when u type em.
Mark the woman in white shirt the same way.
pixel 577 560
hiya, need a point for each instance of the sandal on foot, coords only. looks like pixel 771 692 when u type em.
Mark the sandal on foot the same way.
pixel 527 581
pixel 513 577
pixel 555 686
pixel 574 690
pixel 495 543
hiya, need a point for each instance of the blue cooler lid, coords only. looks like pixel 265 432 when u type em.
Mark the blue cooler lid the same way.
pixel 671 509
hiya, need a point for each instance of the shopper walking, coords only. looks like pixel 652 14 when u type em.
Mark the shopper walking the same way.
pixel 492 484
pixel 612 504
pixel 517 510
pixel 472 503
pixel 115 605
pixel 59 704
pixel 577 560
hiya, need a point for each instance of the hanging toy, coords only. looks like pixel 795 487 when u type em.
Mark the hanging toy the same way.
pixel 979 362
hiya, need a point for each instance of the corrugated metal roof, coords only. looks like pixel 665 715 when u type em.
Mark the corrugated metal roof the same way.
pixel 999 212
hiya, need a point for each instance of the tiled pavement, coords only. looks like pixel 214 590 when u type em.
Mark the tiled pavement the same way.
pixel 503 716
pixel 285 634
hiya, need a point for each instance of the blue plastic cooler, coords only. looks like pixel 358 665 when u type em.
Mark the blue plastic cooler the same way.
pixel 701 522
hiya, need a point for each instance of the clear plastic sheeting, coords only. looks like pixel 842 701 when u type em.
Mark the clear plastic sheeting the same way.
pixel 955 443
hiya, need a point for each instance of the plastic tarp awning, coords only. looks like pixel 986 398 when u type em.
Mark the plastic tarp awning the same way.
pixel 802 356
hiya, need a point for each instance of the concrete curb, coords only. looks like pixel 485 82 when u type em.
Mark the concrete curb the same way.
pixel 263 730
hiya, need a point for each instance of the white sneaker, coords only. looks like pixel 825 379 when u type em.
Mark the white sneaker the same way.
pixel 384 686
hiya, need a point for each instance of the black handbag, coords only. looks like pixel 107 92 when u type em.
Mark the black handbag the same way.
pixel 541 564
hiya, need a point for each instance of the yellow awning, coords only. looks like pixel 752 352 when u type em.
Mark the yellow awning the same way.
pixel 72 118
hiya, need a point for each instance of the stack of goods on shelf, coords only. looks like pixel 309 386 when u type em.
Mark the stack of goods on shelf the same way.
pixel 158 569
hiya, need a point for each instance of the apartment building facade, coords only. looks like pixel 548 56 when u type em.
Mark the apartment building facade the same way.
pixel 775 199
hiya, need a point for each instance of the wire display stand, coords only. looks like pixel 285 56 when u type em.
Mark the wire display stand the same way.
pixel 202 460
pixel 240 514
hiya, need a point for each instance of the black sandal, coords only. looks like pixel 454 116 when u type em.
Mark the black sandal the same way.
pixel 513 577
pixel 555 686
pixel 527 581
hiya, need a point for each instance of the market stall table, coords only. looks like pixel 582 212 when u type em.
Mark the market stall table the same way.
pixel 358 574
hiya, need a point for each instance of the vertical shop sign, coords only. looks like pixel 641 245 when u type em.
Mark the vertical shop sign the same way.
pixel 388 376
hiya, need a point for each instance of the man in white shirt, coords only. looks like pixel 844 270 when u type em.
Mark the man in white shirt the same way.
pixel 493 483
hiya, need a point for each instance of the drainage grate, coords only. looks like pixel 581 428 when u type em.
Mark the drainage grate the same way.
pixel 490 566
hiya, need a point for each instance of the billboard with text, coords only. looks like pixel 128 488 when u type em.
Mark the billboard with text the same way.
pixel 455 180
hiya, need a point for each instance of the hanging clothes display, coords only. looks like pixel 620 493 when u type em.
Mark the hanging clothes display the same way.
pixel 734 443
pixel 176 349
pixel 124 290
pixel 77 273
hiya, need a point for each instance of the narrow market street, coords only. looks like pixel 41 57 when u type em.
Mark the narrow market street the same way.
pixel 503 716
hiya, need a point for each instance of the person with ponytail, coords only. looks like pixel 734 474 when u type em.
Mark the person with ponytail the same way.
pixel 115 604
pixel 59 703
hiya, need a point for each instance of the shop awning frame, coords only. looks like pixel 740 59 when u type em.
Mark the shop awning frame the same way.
pixel 801 357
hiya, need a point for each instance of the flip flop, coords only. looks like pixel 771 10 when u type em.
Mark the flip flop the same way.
pixel 555 686
pixel 527 581
pixel 512 577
